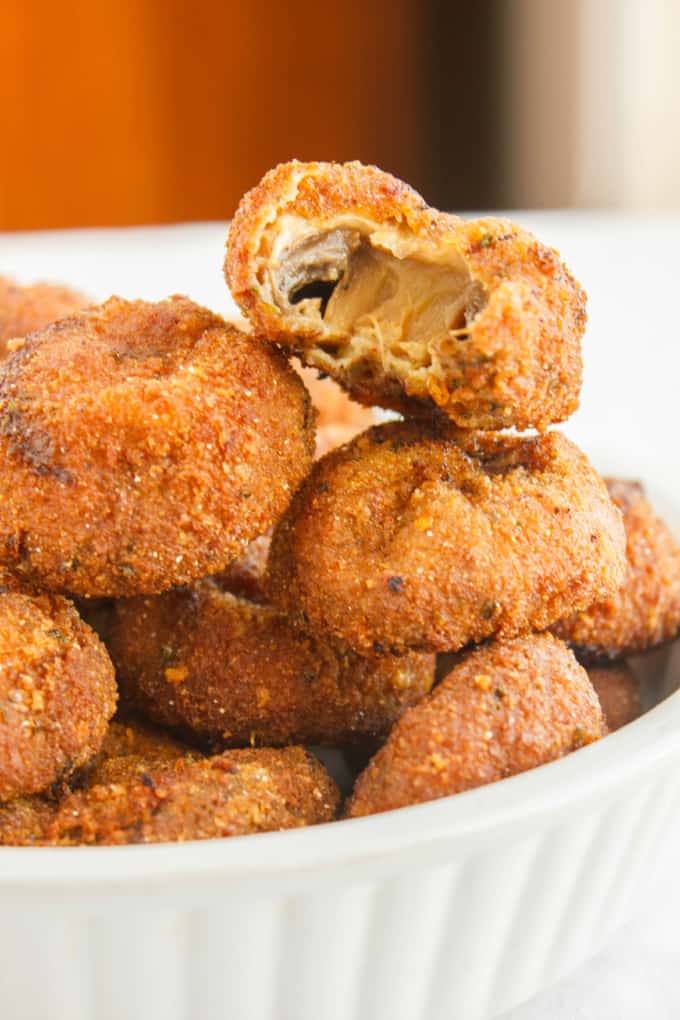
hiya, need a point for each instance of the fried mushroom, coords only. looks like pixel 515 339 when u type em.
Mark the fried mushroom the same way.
pixel 644 611
pixel 218 667
pixel 232 794
pixel 505 708
pixel 407 307
pixel 404 540
pixel 144 445
pixel 57 692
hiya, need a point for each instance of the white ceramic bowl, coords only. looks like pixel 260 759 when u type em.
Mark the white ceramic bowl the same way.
pixel 459 908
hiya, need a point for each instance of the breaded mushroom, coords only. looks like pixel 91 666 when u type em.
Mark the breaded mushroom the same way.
pixel 57 692
pixel 144 445
pixel 618 690
pixel 403 540
pixel 231 794
pixel 24 309
pixel 644 611
pixel 230 671
pixel 407 307
pixel 505 708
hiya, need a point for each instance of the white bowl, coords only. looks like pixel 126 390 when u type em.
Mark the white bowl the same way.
pixel 458 908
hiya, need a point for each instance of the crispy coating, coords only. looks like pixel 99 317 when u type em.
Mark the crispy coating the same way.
pixel 407 307
pixel 644 611
pixel 505 708
pixel 135 737
pixel 131 748
pixel 618 690
pixel 144 445
pixel 227 670
pixel 57 692
pixel 24 820
pixel 231 794
pixel 129 751
pixel 404 540
pixel 23 310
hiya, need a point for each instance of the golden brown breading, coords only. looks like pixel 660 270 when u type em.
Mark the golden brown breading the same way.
pixel 26 309
pixel 131 748
pixel 403 540
pixel 134 736
pixel 407 307
pixel 129 751
pixel 505 708
pixel 144 445
pixel 645 609
pixel 230 794
pixel 24 820
pixel 618 690
pixel 225 669
pixel 57 692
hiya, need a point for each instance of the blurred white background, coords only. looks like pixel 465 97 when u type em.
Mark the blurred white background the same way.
pixel 593 103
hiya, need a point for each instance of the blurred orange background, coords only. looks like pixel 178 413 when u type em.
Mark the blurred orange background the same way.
pixel 146 112
pixel 149 112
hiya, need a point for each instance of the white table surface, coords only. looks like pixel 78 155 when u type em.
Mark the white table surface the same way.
pixel 630 266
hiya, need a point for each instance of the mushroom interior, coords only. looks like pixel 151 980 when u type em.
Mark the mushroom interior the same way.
pixel 376 304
